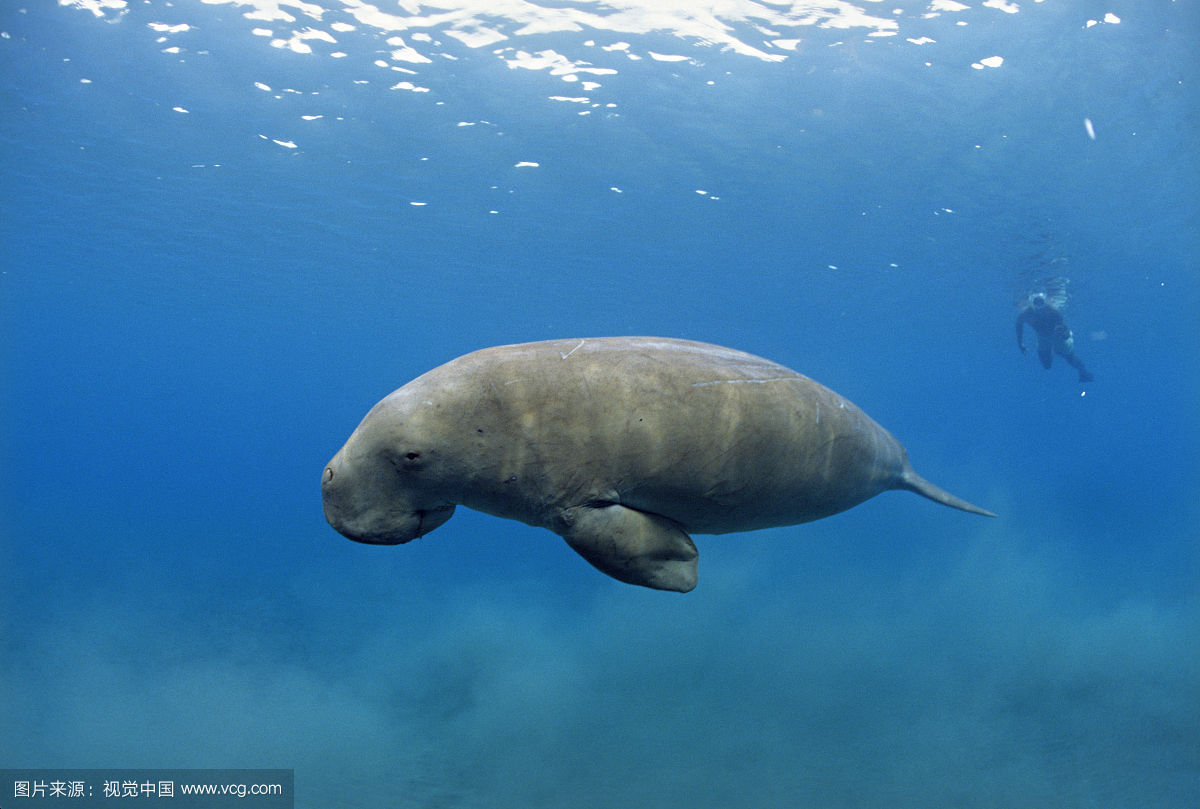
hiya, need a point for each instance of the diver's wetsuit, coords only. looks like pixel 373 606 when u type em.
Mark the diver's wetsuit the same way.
pixel 1053 336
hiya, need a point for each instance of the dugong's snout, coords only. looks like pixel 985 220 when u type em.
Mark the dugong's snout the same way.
pixel 374 514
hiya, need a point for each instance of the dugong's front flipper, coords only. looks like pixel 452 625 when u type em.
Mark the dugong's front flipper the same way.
pixel 633 546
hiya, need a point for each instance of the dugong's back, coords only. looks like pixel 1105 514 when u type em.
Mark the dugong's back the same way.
pixel 714 439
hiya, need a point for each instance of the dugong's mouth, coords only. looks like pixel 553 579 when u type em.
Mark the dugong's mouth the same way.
pixel 431 518
pixel 398 531
pixel 378 539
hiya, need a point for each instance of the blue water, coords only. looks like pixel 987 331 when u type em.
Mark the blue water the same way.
pixel 221 243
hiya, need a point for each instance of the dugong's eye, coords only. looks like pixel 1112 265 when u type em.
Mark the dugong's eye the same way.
pixel 406 461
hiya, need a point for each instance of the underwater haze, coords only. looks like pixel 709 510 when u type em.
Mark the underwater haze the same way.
pixel 229 227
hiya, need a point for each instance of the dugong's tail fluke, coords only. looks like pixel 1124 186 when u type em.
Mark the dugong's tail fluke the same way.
pixel 913 482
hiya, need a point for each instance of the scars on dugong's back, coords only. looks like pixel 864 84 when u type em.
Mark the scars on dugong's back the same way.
pixel 624 446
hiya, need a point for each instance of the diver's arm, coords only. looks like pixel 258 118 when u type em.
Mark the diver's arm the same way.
pixel 1021 318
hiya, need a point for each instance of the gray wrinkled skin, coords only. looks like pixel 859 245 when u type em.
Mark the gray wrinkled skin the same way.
pixel 624 446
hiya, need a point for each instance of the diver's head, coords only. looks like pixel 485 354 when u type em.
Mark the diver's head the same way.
pixel 1037 300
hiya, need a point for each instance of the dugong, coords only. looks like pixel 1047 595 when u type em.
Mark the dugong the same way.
pixel 623 446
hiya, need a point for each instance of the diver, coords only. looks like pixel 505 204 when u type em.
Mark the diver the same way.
pixel 1042 311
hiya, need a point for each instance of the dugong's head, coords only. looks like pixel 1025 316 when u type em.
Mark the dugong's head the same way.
pixel 386 486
